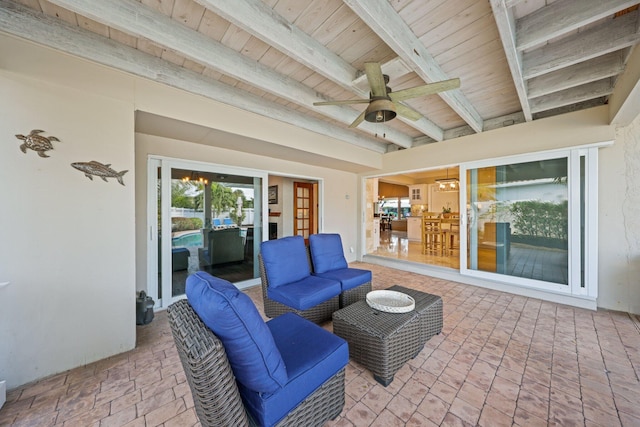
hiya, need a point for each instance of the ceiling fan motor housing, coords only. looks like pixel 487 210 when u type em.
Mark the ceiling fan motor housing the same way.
pixel 380 109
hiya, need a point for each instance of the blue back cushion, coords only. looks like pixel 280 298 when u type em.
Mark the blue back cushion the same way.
pixel 248 342
pixel 326 252
pixel 285 260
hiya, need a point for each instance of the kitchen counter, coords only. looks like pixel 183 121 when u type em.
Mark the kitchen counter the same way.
pixel 399 225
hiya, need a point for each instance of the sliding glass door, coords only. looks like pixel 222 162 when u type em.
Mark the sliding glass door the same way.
pixel 202 217
pixel 529 219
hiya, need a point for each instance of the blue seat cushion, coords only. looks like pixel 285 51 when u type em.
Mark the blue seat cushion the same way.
pixel 305 293
pixel 349 278
pixel 285 260
pixel 312 355
pixel 252 352
pixel 326 252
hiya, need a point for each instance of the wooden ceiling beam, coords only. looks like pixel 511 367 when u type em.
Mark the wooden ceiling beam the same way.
pixel 571 96
pixel 608 65
pixel 563 17
pixel 39 28
pixel 134 18
pixel 511 3
pixel 612 35
pixel 261 21
pixel 258 19
pixel 506 27
pixel 380 16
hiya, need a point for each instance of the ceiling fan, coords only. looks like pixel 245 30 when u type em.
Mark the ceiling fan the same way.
pixel 385 104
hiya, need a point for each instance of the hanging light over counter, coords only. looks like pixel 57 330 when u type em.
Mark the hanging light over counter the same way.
pixel 448 184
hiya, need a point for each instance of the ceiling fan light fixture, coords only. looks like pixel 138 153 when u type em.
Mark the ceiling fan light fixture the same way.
pixel 380 110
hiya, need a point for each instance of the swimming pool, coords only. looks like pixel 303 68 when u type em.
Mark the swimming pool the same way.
pixel 186 240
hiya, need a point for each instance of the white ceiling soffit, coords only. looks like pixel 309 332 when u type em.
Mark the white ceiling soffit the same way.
pixel 153 124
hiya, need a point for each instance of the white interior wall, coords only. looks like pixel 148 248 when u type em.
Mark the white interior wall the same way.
pixel 68 242
pixel 277 207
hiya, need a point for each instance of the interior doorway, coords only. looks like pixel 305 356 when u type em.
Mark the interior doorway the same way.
pixel 399 203
pixel 304 202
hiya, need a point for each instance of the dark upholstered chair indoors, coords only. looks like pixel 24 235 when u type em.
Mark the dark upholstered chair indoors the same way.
pixel 243 371
pixel 329 262
pixel 289 286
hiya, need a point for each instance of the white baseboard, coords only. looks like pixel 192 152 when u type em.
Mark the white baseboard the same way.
pixel 3 392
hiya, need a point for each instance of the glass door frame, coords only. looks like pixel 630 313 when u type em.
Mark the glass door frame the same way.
pixel 167 164
pixel 575 287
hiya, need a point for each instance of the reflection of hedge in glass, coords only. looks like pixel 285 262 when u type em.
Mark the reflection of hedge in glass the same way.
pixel 540 219
pixel 185 224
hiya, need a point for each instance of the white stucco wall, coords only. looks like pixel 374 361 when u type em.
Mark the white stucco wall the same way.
pixel 619 221
pixel 67 242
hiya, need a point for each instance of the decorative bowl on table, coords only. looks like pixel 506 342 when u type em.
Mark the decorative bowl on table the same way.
pixel 390 301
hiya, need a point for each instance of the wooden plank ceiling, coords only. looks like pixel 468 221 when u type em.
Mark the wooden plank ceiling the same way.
pixel 517 60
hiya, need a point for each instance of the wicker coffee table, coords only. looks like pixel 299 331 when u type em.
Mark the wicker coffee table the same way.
pixel 382 341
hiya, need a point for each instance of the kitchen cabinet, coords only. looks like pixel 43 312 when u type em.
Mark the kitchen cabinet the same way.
pixel 418 194
pixel 414 228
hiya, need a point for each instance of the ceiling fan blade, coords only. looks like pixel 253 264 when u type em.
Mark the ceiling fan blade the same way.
pixel 407 112
pixel 345 102
pixel 358 120
pixel 428 89
pixel 375 78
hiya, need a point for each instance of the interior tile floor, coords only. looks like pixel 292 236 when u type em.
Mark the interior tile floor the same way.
pixel 501 360
pixel 396 245
pixel 524 261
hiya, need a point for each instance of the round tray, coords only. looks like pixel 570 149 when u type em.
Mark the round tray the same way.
pixel 390 301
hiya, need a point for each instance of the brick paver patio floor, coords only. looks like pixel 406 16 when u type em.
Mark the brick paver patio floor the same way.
pixel 501 360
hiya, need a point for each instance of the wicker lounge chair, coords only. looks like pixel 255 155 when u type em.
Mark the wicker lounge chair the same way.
pixel 329 262
pixel 285 268
pixel 221 398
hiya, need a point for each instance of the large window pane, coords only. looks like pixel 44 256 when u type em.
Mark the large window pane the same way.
pixel 519 220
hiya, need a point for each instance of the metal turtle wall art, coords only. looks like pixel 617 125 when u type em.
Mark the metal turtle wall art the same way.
pixel 36 142
pixel 101 170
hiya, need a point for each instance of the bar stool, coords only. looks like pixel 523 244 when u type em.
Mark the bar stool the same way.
pixel 385 223
pixel 432 235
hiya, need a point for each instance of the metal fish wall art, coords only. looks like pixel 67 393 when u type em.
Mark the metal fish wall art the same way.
pixel 101 170
pixel 36 142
